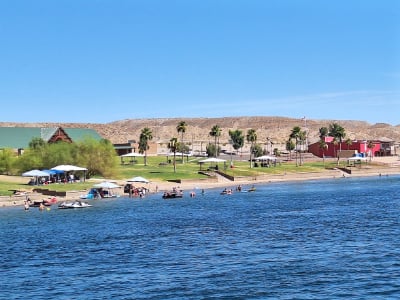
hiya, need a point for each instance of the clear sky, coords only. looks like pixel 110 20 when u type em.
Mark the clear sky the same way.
pixel 99 61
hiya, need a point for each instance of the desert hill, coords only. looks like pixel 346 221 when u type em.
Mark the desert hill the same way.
pixel 277 129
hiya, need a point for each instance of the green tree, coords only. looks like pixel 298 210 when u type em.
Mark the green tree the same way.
pixel 323 145
pixel 173 146
pixel 211 150
pixel 302 140
pixel 257 150
pixel 323 133
pixel 181 128
pixel 37 143
pixel 290 146
pixel 7 160
pixel 98 157
pixel 145 136
pixel 60 153
pixel 251 137
pixel 237 139
pixel 215 133
pixel 348 142
pixel 338 133
pixel 295 134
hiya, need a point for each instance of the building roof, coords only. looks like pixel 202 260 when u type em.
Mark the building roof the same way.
pixel 20 137
pixel 79 134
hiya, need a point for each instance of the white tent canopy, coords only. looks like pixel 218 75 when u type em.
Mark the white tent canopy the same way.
pixel 67 168
pixel 132 154
pixel 35 173
pixel 106 185
pixel 266 157
pixel 138 179
pixel 211 160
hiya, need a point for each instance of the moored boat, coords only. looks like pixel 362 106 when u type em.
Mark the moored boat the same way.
pixel 172 194
pixel 74 204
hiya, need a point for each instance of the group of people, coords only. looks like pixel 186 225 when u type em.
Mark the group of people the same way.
pixel 137 192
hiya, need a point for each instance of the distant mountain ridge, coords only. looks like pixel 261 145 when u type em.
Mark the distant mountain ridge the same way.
pixel 276 129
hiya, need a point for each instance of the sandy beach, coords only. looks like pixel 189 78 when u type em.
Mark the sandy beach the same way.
pixel 387 166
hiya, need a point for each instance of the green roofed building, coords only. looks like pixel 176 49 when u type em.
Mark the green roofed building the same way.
pixel 18 138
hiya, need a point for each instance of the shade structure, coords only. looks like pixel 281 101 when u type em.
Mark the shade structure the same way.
pixel 212 159
pixel 132 154
pixel 106 185
pixel 266 157
pixel 67 168
pixel 138 179
pixel 53 172
pixel 35 173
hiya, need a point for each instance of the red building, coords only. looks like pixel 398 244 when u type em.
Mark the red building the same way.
pixel 366 148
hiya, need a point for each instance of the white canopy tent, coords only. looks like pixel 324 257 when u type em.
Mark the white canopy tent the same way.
pixel 138 179
pixel 36 174
pixel 70 168
pixel 266 160
pixel 212 160
pixel 106 185
pixel 130 155
pixel 266 157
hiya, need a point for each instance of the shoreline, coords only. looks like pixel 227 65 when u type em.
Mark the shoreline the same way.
pixel 194 185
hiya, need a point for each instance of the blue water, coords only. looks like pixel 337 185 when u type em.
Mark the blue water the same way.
pixel 329 239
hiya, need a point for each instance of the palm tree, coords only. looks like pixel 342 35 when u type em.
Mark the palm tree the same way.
pixel 216 133
pixel 295 134
pixel 290 146
pixel 251 137
pixel 338 133
pixel 145 136
pixel 172 146
pixel 348 142
pixel 370 146
pixel 323 145
pixel 323 133
pixel 302 139
pixel 181 128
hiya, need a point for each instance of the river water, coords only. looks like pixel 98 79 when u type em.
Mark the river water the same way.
pixel 327 239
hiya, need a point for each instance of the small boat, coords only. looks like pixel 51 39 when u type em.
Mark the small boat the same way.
pixel 172 194
pixel 252 189
pixel 226 192
pixel 46 202
pixel 74 204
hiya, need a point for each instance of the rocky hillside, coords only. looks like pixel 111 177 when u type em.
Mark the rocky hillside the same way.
pixel 277 129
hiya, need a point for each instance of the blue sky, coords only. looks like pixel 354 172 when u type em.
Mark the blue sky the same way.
pixel 99 61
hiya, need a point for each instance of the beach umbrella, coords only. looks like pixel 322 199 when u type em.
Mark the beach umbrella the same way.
pixel 138 179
